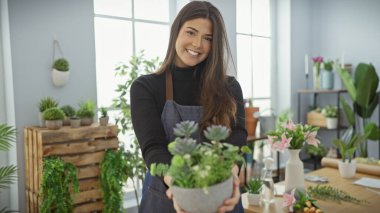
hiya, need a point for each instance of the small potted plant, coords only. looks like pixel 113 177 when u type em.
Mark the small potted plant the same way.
pixel 75 121
pixel 44 104
pixel 86 112
pixel 53 118
pixel 253 188
pixel 200 171
pixel 328 75
pixel 347 146
pixel 60 73
pixel 331 114
pixel 103 120
pixel 69 113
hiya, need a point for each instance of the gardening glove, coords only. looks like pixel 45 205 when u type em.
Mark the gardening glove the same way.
pixel 230 203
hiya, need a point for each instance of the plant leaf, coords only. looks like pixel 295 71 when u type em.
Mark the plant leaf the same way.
pixel 350 114
pixel 348 82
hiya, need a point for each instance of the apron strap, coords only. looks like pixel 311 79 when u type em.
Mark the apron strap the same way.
pixel 169 85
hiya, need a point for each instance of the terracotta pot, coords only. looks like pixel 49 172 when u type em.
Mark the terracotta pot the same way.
pixel 250 120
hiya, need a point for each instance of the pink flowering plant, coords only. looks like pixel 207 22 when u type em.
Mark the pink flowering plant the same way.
pixel 318 61
pixel 301 202
pixel 293 136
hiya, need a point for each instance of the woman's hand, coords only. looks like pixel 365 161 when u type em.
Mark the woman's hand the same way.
pixel 168 180
pixel 230 203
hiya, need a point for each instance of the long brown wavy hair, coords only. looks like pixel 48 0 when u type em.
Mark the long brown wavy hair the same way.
pixel 219 106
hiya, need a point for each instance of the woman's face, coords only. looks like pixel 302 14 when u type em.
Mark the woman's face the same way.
pixel 194 42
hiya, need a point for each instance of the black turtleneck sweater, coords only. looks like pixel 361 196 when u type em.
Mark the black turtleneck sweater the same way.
pixel 147 103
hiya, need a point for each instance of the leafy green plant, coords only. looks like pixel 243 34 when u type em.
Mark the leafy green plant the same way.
pixel 330 111
pixel 46 103
pixel 302 202
pixel 320 151
pixel 200 165
pixel 324 192
pixel 348 144
pixel 61 64
pixel 328 65
pixel 112 177
pixel 54 113
pixel 254 186
pixel 68 110
pixel 7 173
pixel 362 89
pixel 86 109
pixel 103 112
pixel 57 179
pixel 283 117
pixel 137 65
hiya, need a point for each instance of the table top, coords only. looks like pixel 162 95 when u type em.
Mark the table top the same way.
pixel 360 192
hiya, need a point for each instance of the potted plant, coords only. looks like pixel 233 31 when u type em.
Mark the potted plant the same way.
pixel 103 120
pixel 86 112
pixel 75 121
pixel 69 112
pixel 253 188
pixel 331 114
pixel 7 172
pixel 44 104
pixel 200 171
pixel 362 89
pixel 54 118
pixel 60 73
pixel 250 119
pixel 347 147
pixel 328 75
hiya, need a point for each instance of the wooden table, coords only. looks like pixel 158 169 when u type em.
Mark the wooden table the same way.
pixel 335 180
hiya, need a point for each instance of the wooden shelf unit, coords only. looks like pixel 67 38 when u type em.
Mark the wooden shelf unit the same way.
pixel 84 147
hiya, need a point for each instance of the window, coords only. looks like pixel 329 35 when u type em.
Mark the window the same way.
pixel 254 41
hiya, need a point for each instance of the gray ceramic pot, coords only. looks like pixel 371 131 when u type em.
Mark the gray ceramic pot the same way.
pixel 197 201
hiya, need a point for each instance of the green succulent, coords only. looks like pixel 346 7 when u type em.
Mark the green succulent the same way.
pixel 182 146
pixel 216 133
pixel 68 110
pixel 46 103
pixel 86 109
pixel 54 113
pixel 61 64
pixel 103 112
pixel 185 129
pixel 254 186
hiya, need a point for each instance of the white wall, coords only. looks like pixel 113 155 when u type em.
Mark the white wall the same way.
pixel 33 25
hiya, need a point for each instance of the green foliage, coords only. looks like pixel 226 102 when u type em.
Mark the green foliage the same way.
pixel 112 177
pixel 200 165
pixel 68 110
pixel 254 186
pixel 304 201
pixel 46 103
pixel 86 109
pixel 328 65
pixel 362 90
pixel 330 111
pixel 321 150
pixel 324 192
pixel 53 113
pixel 103 112
pixel 57 178
pixel 283 117
pixel 348 143
pixel 61 64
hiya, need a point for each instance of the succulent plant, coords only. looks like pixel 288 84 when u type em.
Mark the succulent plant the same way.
pixel 185 129
pixel 182 146
pixel 217 133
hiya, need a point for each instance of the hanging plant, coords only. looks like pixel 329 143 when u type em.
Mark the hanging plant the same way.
pixel 60 67
pixel 56 178
pixel 112 177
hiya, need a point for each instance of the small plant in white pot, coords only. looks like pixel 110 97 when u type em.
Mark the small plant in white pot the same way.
pixel 253 188
pixel 53 118
pixel 60 73
pixel 69 112
pixel 86 112
pixel 44 104
pixel 347 147
pixel 201 173
pixel 331 114
pixel 103 119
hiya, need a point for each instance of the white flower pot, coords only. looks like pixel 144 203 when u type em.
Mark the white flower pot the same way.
pixel 253 199
pixel 331 123
pixel 60 78
pixel 294 176
pixel 197 201
pixel 347 170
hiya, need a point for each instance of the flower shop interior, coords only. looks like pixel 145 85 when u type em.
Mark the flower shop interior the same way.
pixel 300 63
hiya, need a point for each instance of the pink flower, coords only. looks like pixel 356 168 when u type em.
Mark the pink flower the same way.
pixel 318 59
pixel 283 144
pixel 290 125
pixel 271 139
pixel 311 139
pixel 289 200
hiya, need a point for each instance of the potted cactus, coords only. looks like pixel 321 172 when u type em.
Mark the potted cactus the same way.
pixel 103 119
pixel 60 73
pixel 86 112
pixel 44 104
pixel 200 171
pixel 53 118
pixel 69 113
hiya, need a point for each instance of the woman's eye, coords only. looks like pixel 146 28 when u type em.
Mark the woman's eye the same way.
pixel 208 39
pixel 190 33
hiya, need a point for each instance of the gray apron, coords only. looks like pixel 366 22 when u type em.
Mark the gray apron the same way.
pixel 154 199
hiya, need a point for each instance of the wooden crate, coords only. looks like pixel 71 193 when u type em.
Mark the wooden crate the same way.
pixel 84 147
pixel 316 119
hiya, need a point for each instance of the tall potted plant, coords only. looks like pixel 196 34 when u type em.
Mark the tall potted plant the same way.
pixel 7 173
pixel 362 89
